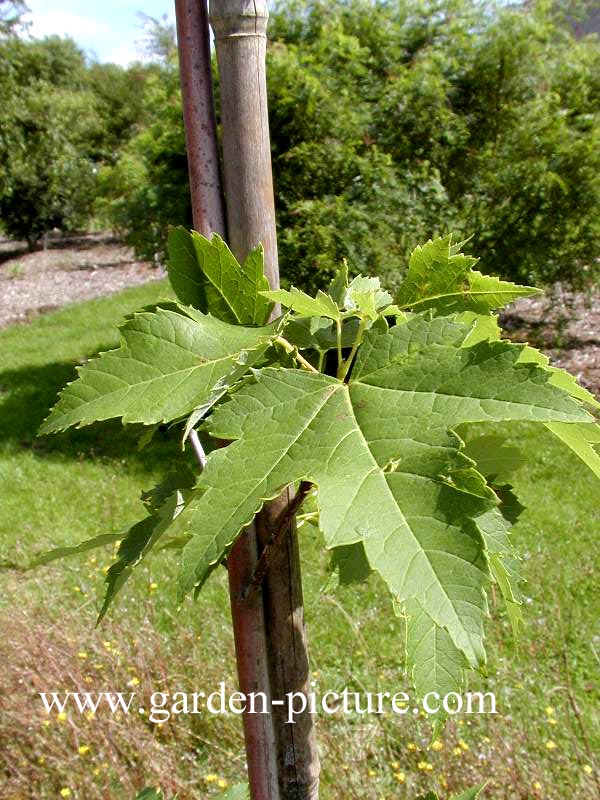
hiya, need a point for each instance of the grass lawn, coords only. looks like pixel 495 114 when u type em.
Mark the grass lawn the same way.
pixel 63 489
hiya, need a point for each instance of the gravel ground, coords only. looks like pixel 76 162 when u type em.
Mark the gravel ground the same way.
pixel 69 270
pixel 565 325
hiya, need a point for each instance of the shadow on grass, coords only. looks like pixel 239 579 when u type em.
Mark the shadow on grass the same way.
pixel 28 394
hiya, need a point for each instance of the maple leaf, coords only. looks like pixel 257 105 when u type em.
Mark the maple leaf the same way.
pixel 389 471
pixel 205 274
pixel 169 363
pixel 442 278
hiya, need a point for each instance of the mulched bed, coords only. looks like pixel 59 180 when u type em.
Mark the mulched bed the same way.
pixel 70 269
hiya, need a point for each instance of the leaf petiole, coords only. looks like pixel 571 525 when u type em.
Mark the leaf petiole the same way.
pixel 345 365
pixel 289 348
pixel 339 344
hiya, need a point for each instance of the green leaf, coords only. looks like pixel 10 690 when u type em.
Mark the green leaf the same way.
pixel 138 542
pixel 318 333
pixel 338 286
pixel 494 458
pixel 433 662
pixel 348 565
pixel 180 478
pixel 494 528
pixel 389 472
pixel 443 279
pixel 484 327
pixel 64 552
pixel 206 275
pixel 582 439
pixel 305 306
pixel 559 377
pixel 365 296
pixel 168 364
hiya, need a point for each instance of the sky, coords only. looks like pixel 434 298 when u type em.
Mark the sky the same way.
pixel 108 30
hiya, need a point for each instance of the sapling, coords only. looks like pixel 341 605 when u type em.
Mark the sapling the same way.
pixel 357 399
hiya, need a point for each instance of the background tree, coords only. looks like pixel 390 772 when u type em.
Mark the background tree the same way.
pixel 46 174
pixel 62 118
pixel 11 13
pixel 396 121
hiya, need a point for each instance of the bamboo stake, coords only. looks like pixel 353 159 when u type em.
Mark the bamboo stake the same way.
pixel 209 215
pixel 240 34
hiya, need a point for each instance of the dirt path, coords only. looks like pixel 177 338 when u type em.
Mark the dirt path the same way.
pixel 71 269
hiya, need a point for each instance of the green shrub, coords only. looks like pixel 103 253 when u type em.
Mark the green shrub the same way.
pixel 62 118
pixel 391 122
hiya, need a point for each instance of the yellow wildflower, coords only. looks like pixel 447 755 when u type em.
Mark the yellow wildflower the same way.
pixel 400 777
pixel 153 586
pixel 134 682
pixel 76 589
pixel 463 744
pixel 83 749
pixel 437 745
pixel 457 751
pixel 550 745
pixel 549 711
pixel 552 721
pixel 394 765
pixel 65 792
pixel 96 771
pixel 62 716
pixel 411 746
pixel 537 786
pixel 82 655
pixel 222 783
pixel 372 773
pixel 46 723
pixel 42 760
pixel 587 769
pixel 211 778
pixel 424 766
pixel 90 716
